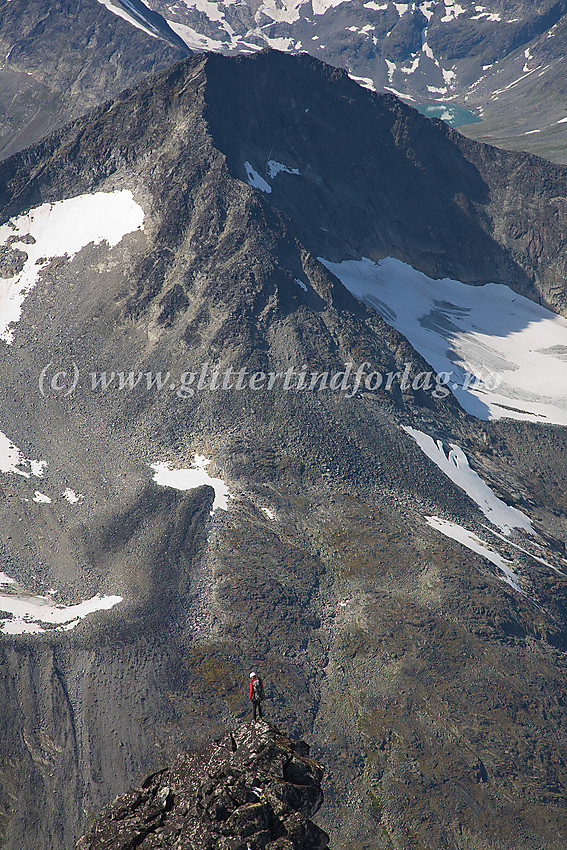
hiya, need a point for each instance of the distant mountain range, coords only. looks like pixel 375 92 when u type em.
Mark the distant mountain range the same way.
pixel 61 58
pixel 502 61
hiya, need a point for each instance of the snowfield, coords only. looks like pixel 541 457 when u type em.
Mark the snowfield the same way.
pixel 57 230
pixel 504 355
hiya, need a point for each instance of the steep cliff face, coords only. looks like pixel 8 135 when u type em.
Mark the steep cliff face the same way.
pixel 394 566
pixel 252 789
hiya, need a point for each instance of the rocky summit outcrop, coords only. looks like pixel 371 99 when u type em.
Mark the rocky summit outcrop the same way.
pixel 503 61
pixel 253 789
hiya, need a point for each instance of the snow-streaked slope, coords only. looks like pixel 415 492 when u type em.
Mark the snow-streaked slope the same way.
pixel 475 544
pixel 455 465
pixel 527 552
pixel 56 230
pixel 502 354
pixel 195 476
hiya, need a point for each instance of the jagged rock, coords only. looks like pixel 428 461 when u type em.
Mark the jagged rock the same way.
pixel 11 261
pixel 253 789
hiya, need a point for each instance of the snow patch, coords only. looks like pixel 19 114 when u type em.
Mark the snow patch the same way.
pixel 489 16
pixel 255 180
pixel 212 10
pixel 71 496
pixel 11 458
pixel 452 11
pixel 425 9
pixel 412 68
pixel 425 46
pixel 398 93
pixel 365 82
pixel 30 611
pixel 189 479
pixel 301 284
pixel 455 465
pixel 279 43
pixel 274 168
pixel 196 41
pixel 503 355
pixel 475 544
pixel 448 76
pixel 61 229
pixel 391 69
pixel 270 514
pixel 41 498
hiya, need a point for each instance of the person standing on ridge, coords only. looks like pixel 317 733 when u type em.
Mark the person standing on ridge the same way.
pixel 256 694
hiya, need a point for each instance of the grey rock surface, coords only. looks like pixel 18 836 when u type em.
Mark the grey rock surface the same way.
pixel 253 788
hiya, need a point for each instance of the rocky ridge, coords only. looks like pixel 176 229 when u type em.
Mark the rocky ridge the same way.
pixel 470 60
pixel 253 789
pixel 494 59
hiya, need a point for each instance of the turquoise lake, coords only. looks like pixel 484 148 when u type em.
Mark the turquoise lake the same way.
pixel 454 116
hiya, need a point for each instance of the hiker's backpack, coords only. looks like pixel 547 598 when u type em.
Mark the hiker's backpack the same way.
pixel 257 690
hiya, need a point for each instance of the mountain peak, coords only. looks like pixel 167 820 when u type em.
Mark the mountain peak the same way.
pixel 252 788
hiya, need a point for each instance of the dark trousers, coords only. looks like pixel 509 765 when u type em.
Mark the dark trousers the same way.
pixel 257 708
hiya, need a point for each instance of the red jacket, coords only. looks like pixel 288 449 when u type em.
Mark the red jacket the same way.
pixel 252 686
